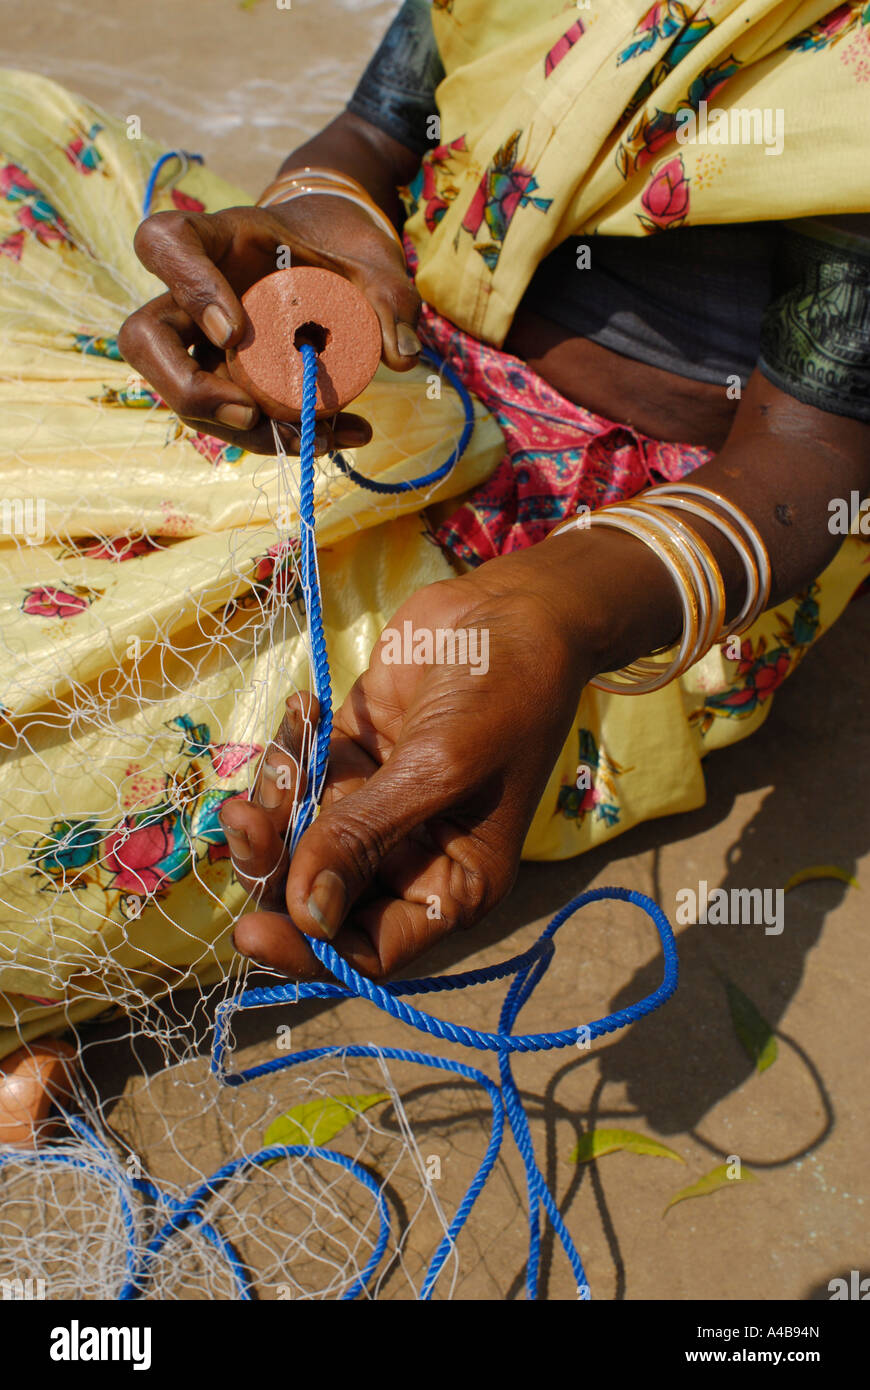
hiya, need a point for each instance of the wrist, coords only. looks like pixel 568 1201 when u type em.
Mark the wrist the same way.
pixel 614 596
pixel 352 146
pixel 313 218
pixel 321 181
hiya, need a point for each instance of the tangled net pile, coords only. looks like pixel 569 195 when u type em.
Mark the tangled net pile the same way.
pixel 171 1174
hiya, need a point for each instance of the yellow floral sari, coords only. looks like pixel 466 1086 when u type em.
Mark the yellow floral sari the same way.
pixel 625 119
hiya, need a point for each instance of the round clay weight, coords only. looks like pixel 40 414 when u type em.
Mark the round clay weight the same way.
pixel 30 1081
pixel 305 305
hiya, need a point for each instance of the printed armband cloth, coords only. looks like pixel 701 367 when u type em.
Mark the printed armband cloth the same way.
pixel 396 92
pixel 815 337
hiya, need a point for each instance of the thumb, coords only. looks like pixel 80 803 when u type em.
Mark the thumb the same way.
pixel 394 298
pixel 340 854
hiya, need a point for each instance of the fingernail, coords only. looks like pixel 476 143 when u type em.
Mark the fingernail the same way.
pixel 321 443
pixel 409 343
pixel 237 417
pixel 216 325
pixel 326 904
pixel 271 792
pixel 240 845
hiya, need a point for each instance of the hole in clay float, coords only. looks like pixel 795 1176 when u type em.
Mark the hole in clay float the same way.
pixel 313 333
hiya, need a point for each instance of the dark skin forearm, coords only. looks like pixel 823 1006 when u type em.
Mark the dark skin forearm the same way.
pixel 468 756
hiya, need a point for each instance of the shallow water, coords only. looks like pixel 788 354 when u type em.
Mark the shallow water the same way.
pixel 241 86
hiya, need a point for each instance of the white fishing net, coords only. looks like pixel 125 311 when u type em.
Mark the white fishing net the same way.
pixel 300 1228
pixel 153 627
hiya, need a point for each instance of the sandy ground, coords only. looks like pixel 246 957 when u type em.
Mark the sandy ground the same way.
pixel 243 86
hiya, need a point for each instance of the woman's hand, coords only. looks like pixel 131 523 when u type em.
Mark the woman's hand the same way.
pixel 208 260
pixel 435 773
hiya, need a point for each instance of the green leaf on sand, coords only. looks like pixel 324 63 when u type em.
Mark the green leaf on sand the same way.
pixel 609 1141
pixel 751 1027
pixel 816 871
pixel 711 1182
pixel 318 1121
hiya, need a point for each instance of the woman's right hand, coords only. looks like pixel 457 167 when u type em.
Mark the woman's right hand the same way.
pixel 208 260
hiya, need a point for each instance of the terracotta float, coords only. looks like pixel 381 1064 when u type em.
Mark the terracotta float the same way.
pixel 305 304
pixel 31 1079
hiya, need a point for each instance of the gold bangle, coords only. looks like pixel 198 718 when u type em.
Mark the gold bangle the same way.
pixel 657 533
pixel 643 676
pixel 712 577
pixel 692 644
pixel 690 566
pixel 726 528
pixel 750 532
pixel 328 183
pixel 298 176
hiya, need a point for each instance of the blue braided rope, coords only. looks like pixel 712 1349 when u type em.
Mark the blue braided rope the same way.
pixel 399 1054
pixel 211 1233
pixel 385 999
pixel 437 474
pixel 433 984
pixel 520 991
pixel 528 969
pixel 187 1211
pixel 155 172
pixel 310 586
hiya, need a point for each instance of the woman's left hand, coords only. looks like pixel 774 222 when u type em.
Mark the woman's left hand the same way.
pixel 435 773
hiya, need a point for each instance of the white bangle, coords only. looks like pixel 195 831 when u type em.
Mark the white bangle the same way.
pixel 738 541
pixel 751 610
pixel 638 682
pixel 668 530
pixel 693 568
pixel 320 171
pixel 302 191
pixel 712 579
